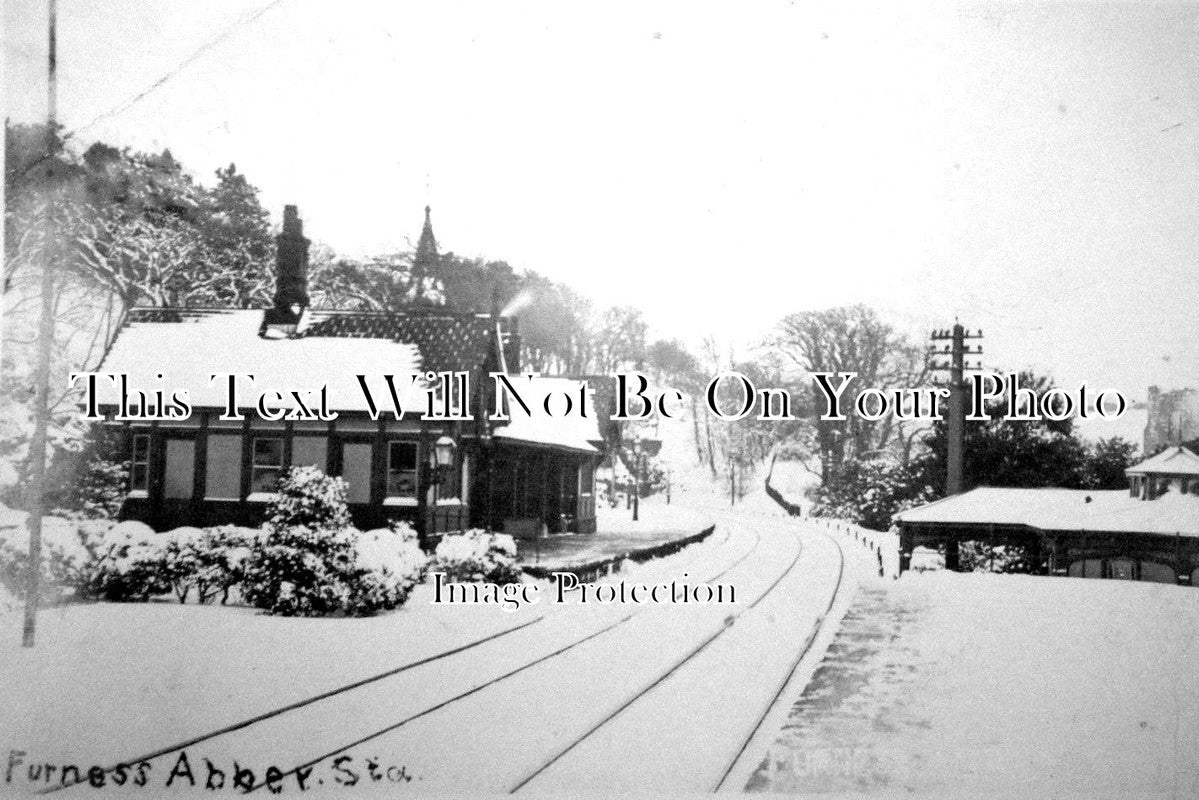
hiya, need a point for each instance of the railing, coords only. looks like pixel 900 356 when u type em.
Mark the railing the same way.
pixel 592 570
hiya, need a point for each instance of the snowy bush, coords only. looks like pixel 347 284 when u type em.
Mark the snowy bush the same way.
pixel 88 477
pixel 304 564
pixel 177 560
pixel 221 557
pixel 66 560
pixel 310 498
pixel 477 556
pixel 211 561
pixel 99 491
pixel 869 493
pixel 129 564
pixel 389 563
pixel 980 557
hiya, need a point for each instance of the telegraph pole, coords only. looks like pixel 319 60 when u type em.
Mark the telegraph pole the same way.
pixel 957 350
pixel 45 341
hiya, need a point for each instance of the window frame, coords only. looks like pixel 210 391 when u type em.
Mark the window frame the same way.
pixel 390 498
pixel 134 463
pixel 255 467
pixel 186 487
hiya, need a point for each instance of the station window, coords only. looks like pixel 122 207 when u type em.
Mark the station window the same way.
pixel 180 469
pixel 309 451
pixel 267 465
pixel 401 469
pixel 222 477
pixel 139 468
pixel 356 470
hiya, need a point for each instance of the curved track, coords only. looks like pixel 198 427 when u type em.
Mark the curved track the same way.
pixel 335 692
pixel 360 701
pixel 643 691
pixel 799 657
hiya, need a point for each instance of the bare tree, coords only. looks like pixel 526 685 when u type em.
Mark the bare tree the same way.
pixel 852 339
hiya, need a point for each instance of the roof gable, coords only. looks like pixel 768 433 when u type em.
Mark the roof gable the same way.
pixel 330 348
pixel 1172 461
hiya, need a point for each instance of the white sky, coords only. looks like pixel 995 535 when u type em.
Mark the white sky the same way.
pixel 1030 168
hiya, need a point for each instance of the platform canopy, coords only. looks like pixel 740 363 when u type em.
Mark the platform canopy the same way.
pixel 1061 510
pixel 569 430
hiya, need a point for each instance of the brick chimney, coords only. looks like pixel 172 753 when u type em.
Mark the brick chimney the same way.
pixel 291 263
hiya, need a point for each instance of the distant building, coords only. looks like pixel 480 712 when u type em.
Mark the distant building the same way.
pixel 1149 532
pixel 1173 418
pixel 1175 469
pixel 531 474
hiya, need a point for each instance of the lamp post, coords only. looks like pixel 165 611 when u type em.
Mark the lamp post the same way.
pixel 435 474
pixel 443 451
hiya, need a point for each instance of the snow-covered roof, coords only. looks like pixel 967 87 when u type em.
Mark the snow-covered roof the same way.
pixel 187 346
pixel 1172 461
pixel 571 430
pixel 1063 509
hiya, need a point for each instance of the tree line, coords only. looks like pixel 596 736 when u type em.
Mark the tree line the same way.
pixel 135 228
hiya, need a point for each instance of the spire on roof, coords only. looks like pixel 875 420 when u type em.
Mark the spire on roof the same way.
pixel 425 263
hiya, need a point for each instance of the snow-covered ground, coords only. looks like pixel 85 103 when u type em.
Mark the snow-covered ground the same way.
pixel 653 517
pixel 111 682
pixel 977 685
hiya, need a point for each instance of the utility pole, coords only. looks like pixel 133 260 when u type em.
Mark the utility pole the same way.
pixel 45 342
pixel 957 350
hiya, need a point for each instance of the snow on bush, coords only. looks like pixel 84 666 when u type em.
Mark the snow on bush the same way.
pixel 66 558
pixel 307 563
pixel 177 551
pixel 389 563
pixel 209 560
pixel 221 560
pixel 300 571
pixel 477 556
pixel 308 497
pixel 129 564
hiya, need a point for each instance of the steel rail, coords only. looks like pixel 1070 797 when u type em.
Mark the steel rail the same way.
pixel 646 689
pixel 794 665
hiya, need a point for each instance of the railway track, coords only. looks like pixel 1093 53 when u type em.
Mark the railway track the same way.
pixel 624 703
pixel 799 657
pixel 346 746
pixel 657 681
pixel 742 751
pixel 398 670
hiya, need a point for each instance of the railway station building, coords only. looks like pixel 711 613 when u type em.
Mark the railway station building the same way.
pixel 530 473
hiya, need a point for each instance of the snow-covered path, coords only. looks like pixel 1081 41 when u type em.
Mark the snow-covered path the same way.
pixel 489 719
